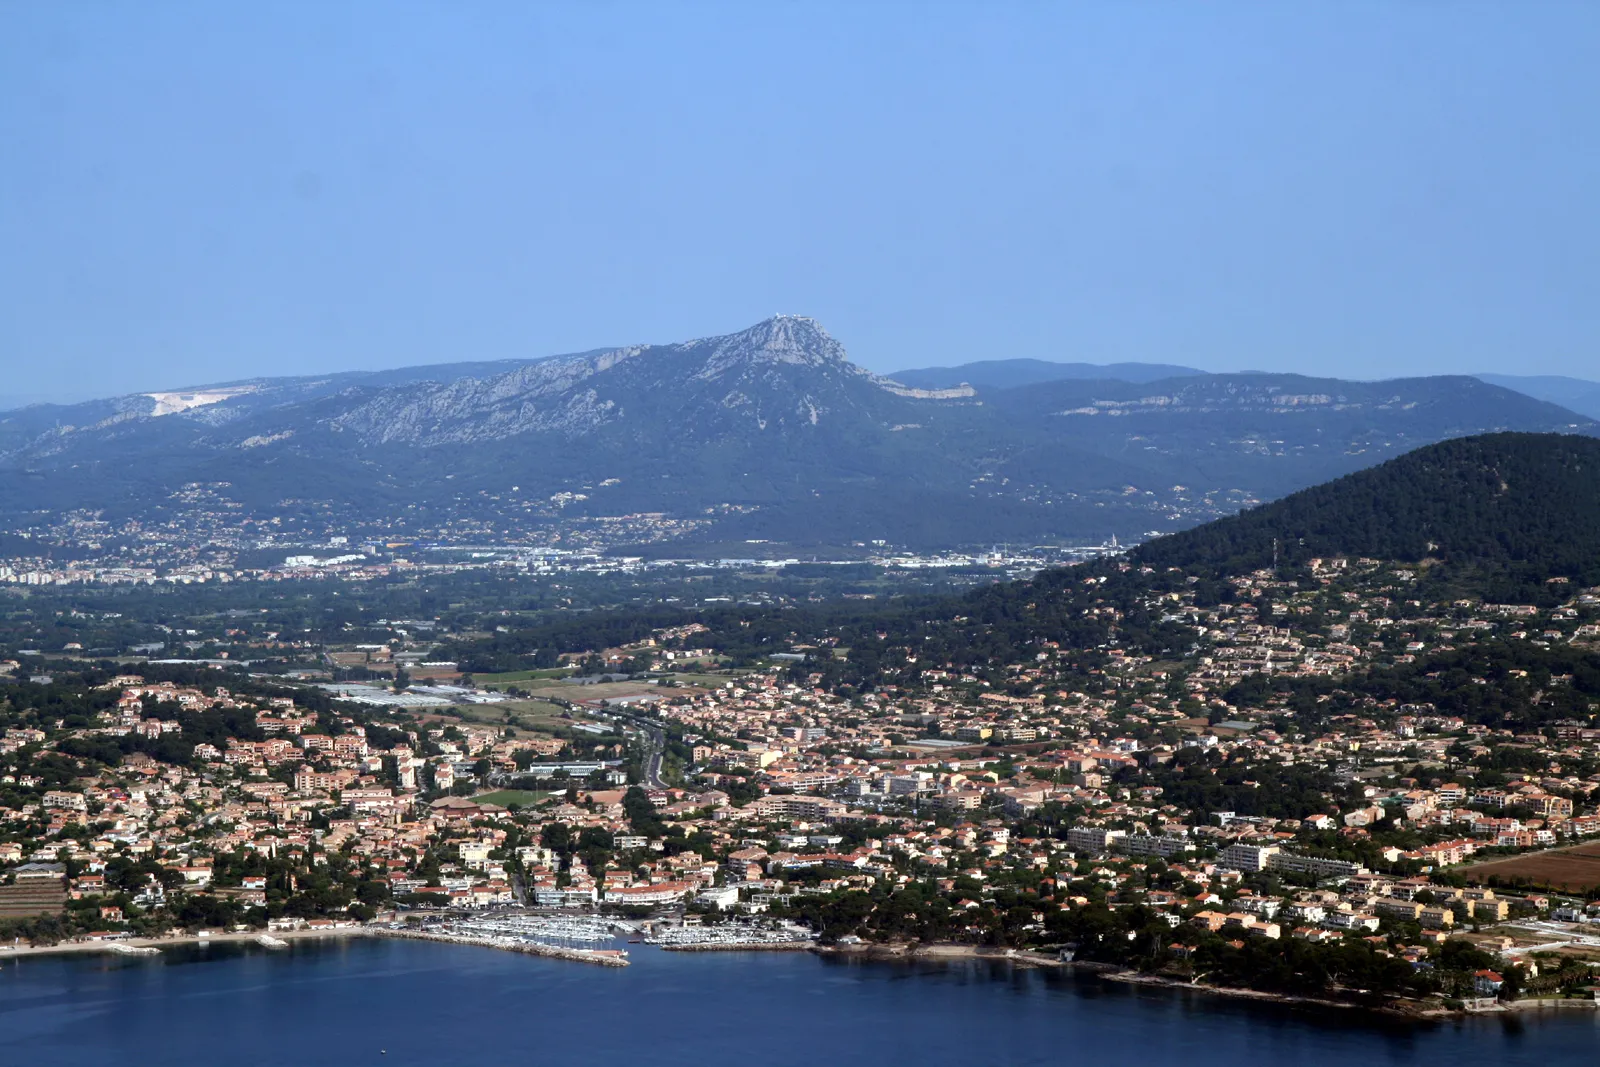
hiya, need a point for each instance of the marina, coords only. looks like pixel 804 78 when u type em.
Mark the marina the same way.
pixel 556 930
pixel 730 937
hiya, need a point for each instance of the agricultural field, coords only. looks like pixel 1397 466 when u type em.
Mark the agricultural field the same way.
pixel 513 677
pixel 709 681
pixel 541 714
pixel 1575 869
pixel 523 717
pixel 554 690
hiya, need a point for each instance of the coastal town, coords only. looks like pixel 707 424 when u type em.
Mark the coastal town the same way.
pixel 1256 802
pixel 888 533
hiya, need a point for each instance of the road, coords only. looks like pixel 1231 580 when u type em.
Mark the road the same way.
pixel 1568 937
pixel 655 746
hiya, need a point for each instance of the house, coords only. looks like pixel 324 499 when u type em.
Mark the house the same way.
pixel 722 897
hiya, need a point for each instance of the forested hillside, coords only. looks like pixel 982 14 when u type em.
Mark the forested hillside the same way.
pixel 1527 505
pixel 1494 518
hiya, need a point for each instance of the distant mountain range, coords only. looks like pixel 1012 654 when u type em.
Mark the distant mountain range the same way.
pixel 770 433
pixel 12 401
pixel 1010 373
pixel 1574 394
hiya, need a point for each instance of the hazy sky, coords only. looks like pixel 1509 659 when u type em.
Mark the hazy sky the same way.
pixel 193 192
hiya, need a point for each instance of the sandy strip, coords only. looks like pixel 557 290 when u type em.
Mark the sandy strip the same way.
pixel 105 947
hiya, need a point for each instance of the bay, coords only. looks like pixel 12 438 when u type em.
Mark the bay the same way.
pixel 396 1003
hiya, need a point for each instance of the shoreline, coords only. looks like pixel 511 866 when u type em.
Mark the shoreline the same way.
pixel 754 946
pixel 82 948
pixel 1397 1009
pixel 120 948
pixel 1109 972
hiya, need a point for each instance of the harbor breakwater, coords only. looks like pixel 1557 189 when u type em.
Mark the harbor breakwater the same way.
pixel 602 957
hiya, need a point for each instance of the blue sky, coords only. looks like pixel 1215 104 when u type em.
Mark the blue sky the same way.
pixel 195 192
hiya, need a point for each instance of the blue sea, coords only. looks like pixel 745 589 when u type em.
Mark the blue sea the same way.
pixel 403 1003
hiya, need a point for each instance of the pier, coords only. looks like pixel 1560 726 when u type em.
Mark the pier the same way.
pixel 603 957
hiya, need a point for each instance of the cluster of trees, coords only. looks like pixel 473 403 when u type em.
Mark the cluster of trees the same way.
pixel 1142 939
pixel 1499 683
pixel 1203 782
pixel 342 885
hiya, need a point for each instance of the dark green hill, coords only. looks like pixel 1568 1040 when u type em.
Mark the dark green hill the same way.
pixel 1526 505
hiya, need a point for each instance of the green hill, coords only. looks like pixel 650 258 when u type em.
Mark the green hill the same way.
pixel 1525 505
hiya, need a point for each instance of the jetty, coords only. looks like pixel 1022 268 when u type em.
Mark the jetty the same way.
pixel 600 956
pixel 131 950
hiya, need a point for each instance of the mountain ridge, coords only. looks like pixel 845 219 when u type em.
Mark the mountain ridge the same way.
pixel 1576 394
pixel 767 433
pixel 1010 373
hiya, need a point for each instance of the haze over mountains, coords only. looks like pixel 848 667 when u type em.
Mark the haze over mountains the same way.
pixel 770 433
pixel 1575 394
pixel 1010 373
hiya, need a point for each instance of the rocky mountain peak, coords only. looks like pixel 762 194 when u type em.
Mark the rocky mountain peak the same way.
pixel 791 339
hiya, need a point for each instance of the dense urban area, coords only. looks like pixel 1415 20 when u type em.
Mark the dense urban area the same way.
pixel 1329 776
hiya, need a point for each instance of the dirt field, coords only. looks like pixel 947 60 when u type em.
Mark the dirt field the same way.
pixel 528 717
pixel 605 690
pixel 513 677
pixel 1576 869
